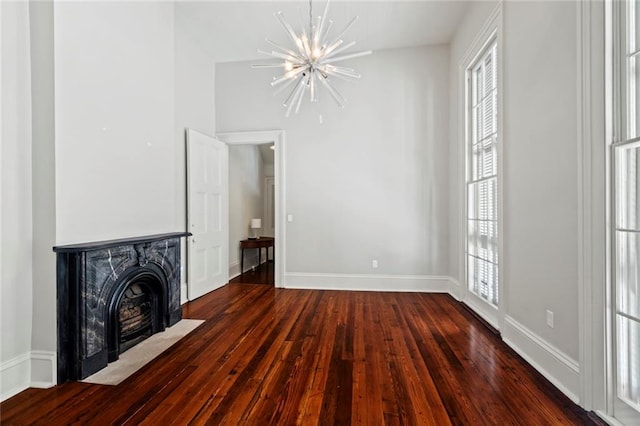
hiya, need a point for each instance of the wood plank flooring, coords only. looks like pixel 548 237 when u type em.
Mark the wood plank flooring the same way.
pixel 285 357
pixel 264 274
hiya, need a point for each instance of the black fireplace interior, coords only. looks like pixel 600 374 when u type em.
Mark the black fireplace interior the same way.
pixel 111 296
pixel 136 316
pixel 136 309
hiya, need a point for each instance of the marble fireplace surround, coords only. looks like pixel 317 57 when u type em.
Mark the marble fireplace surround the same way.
pixel 91 279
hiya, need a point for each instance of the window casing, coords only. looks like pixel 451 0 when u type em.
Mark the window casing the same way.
pixel 482 175
pixel 626 197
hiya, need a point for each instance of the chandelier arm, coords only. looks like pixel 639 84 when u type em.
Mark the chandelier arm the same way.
pixel 303 32
pixel 287 28
pixel 335 76
pixel 318 34
pixel 353 21
pixel 325 38
pixel 328 50
pixel 296 60
pixel 282 65
pixel 273 54
pixel 305 44
pixel 314 30
pixel 341 68
pixel 284 86
pixel 300 96
pixel 338 73
pixel 297 92
pixel 312 87
pixel 334 94
pixel 284 49
pixel 350 56
pixel 291 96
pixel 331 52
pixel 288 75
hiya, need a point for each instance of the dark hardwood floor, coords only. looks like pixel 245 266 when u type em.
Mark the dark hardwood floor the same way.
pixel 264 274
pixel 274 356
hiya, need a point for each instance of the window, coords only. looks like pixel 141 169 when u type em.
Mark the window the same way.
pixel 482 175
pixel 626 193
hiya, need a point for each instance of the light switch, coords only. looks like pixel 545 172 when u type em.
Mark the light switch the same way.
pixel 289 218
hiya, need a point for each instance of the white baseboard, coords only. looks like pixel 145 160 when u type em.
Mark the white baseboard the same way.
pixel 454 289
pixel 43 369
pixel 610 420
pixel 183 293
pixel 556 366
pixel 31 369
pixel 483 310
pixel 403 283
pixel 15 375
pixel 234 270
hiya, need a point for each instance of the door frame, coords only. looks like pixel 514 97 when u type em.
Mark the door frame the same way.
pixel 269 185
pixel 277 137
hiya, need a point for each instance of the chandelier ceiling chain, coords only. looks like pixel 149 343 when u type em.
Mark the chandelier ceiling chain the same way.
pixel 311 62
pixel 310 13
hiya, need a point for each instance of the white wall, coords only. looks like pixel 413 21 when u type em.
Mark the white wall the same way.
pixel 194 106
pixel 541 169
pixel 369 183
pixel 540 166
pixel 16 279
pixel 194 109
pixel 43 341
pixel 246 182
pixel 115 145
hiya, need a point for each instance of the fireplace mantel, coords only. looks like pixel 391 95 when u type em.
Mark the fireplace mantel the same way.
pixel 97 245
pixel 91 276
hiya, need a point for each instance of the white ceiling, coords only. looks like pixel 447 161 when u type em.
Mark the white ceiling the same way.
pixel 234 30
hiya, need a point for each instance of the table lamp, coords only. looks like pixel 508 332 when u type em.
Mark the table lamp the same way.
pixel 255 225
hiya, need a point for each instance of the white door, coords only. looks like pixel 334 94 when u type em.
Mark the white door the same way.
pixel 207 215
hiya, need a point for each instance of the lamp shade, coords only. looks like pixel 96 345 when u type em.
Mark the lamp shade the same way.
pixel 256 223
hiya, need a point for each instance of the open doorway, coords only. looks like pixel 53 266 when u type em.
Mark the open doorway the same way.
pixel 251 227
pixel 256 194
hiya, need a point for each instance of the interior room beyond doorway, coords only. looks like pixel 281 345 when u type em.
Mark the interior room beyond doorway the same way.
pixel 251 205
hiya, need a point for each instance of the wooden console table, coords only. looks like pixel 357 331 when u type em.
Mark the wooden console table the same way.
pixel 258 243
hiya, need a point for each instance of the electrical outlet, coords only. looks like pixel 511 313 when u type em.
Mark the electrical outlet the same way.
pixel 550 318
pixel 374 264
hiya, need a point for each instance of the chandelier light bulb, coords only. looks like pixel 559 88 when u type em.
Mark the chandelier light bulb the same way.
pixel 310 62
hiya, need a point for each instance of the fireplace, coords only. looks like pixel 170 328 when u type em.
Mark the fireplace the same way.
pixel 111 296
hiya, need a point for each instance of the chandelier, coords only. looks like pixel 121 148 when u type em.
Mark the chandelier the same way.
pixel 311 62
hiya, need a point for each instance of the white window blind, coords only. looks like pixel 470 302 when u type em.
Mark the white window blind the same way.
pixel 482 183
pixel 627 210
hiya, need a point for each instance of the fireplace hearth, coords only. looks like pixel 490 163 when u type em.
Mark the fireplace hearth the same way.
pixel 113 295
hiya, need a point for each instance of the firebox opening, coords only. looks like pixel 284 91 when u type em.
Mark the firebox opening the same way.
pixel 136 309
pixel 135 316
